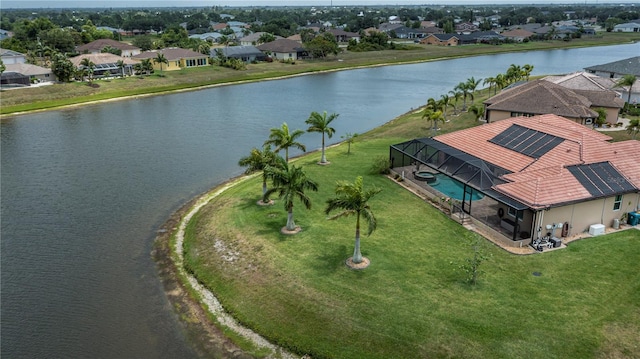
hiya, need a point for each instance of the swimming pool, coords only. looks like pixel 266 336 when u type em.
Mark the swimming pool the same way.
pixel 453 188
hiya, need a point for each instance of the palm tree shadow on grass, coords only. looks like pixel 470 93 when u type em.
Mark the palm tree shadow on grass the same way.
pixel 331 260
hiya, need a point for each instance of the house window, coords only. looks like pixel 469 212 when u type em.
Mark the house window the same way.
pixel 512 213
pixel 617 203
pixel 521 114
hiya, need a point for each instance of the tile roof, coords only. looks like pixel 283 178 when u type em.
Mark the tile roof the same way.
pixel 548 181
pixel 27 69
pixel 630 66
pixel 281 46
pixel 171 53
pixel 102 58
pixel 549 98
pixel 582 81
pixel 518 33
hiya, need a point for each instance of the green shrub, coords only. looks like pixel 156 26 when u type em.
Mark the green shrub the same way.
pixel 381 165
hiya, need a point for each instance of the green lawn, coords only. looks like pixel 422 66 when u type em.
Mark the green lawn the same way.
pixel 412 301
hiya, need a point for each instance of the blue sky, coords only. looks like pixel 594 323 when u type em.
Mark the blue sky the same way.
pixel 6 4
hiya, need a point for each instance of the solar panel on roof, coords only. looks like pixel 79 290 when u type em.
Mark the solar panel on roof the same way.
pixel 600 179
pixel 526 141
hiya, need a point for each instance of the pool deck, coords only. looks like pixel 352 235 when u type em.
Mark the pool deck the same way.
pixel 484 221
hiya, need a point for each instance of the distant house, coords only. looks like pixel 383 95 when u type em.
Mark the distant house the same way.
pixel 106 64
pixel 616 70
pixel 441 39
pixel 246 53
pixel 404 32
pixel 12 57
pixel 543 97
pixel 254 39
pixel 96 47
pixel 178 58
pixel 518 35
pixel 284 49
pixel 207 36
pixel 35 73
pixel 466 28
pixel 535 175
pixel 343 36
pixel 627 27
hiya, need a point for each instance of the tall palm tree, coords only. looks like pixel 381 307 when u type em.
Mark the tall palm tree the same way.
pixel 464 88
pixel 501 82
pixel 472 84
pixel 258 160
pixel 283 139
pixel 490 81
pixel 456 96
pixel 627 80
pixel 352 199
pixel 445 101
pixel 160 59
pixel 527 69
pixel 321 123
pixel 289 182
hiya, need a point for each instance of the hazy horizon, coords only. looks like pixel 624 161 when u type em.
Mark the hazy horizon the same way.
pixel 36 4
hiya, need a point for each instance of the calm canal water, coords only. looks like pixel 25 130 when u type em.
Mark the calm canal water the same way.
pixel 84 190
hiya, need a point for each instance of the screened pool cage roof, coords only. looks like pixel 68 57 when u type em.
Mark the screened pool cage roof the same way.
pixel 468 169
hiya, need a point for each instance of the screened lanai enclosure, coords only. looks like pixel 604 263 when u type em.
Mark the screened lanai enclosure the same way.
pixel 447 172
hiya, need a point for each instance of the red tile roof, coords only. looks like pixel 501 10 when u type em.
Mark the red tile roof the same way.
pixel 545 181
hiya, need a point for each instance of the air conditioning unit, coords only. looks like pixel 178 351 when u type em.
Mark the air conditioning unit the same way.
pixel 596 229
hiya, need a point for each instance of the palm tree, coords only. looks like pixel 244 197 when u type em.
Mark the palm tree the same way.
pixel 160 59
pixel 490 81
pixel 257 161
pixel 321 123
pixel 478 111
pixel 456 95
pixel 472 85
pixel 633 127
pixel 514 73
pixel 120 65
pixel 464 88
pixel 353 200
pixel 147 66
pixel 289 182
pixel 445 101
pixel 283 139
pixel 501 82
pixel 349 138
pixel 88 67
pixel 433 116
pixel 527 69
pixel 627 80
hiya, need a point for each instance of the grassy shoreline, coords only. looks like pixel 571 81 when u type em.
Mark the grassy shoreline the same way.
pixel 412 301
pixel 14 102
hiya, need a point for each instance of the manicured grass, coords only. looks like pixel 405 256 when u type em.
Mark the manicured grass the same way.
pixel 412 301
pixel 76 93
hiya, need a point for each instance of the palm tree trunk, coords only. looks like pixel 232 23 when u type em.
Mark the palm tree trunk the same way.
pixel 291 225
pixel 357 256
pixel 323 159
